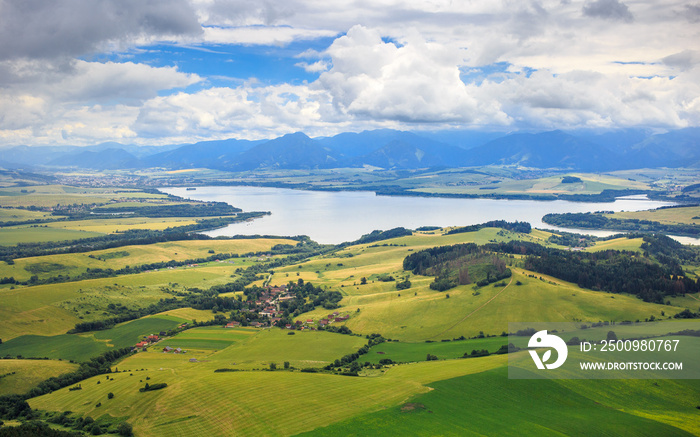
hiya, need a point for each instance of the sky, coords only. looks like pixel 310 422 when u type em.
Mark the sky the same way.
pixel 76 72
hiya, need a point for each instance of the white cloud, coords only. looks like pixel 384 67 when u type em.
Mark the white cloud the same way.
pixel 261 35
pixel 417 81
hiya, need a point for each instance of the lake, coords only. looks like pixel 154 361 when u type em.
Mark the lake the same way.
pixel 338 216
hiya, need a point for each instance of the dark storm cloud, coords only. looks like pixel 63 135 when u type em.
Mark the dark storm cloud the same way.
pixel 609 9
pixel 48 29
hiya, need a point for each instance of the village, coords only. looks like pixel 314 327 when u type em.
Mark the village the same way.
pixel 269 309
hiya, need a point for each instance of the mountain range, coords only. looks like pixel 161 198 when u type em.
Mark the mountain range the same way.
pixel 384 148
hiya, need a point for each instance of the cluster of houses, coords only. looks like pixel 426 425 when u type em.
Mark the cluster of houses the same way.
pixel 301 325
pixel 143 344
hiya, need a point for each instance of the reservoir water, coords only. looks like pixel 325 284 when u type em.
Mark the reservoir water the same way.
pixel 338 216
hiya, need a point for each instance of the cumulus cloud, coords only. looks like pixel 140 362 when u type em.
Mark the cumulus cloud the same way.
pixel 50 29
pixel 416 81
pixel 247 111
pixel 609 9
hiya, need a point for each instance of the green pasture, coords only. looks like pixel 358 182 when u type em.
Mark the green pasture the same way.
pixel 212 338
pixel 13 235
pixel 14 214
pixel 624 243
pixel 81 347
pixel 489 403
pixel 64 346
pixel 77 263
pixel 302 349
pixel 129 333
pixel 420 314
pixel 19 376
pixel 685 215
pixel 245 402
pixel 402 352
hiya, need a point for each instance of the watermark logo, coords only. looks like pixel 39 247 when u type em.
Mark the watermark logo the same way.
pixel 542 339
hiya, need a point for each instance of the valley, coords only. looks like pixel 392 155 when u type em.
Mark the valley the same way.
pixel 278 335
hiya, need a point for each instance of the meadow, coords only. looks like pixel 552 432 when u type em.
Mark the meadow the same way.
pixel 489 403
pixel 19 376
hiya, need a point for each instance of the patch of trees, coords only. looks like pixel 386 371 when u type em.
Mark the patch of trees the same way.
pixel 351 359
pixel 572 240
pixel 603 196
pixel 209 209
pixel 379 236
pixel 451 266
pixel 522 227
pixel 595 220
pixel 152 387
pixel 570 180
pixel 610 270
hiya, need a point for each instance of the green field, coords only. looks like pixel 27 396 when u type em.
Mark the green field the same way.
pixel 422 314
pixel 590 184
pixel 81 347
pixel 27 234
pixel 686 215
pixel 245 402
pixel 77 263
pixel 23 375
pixel 401 352
pixel 303 349
pixel 209 338
pixel 489 403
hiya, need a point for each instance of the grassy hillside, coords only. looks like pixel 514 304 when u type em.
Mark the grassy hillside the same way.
pixel 81 347
pixel 19 376
pixel 488 404
pixel 77 263
pixel 246 402
pixel 422 314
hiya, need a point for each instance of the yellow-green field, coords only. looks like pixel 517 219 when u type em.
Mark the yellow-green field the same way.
pixel 14 215
pixel 77 263
pixel 250 402
pixel 590 184
pixel 686 215
pixel 38 234
pixel 624 243
pixel 23 375
pixel 52 195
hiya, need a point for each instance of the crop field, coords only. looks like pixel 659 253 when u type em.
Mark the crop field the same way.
pixel 632 244
pixel 64 346
pixel 81 347
pixel 402 352
pixel 130 333
pixel 209 338
pixel 77 263
pixel 19 376
pixel 14 215
pixel 490 403
pixel 303 349
pixel 590 184
pixel 51 195
pixel 245 402
pixel 27 234
pixel 686 215
pixel 186 315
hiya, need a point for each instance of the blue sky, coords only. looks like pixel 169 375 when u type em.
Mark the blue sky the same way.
pixel 175 71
